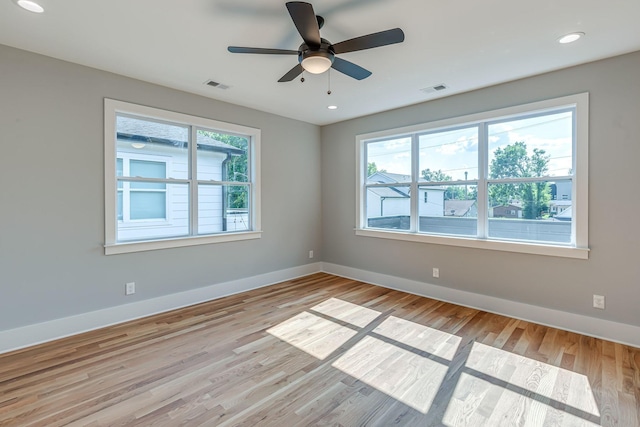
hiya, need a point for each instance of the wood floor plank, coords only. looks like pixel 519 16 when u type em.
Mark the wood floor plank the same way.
pixel 322 350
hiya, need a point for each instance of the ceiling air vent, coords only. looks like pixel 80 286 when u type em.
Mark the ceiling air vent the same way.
pixel 435 88
pixel 216 84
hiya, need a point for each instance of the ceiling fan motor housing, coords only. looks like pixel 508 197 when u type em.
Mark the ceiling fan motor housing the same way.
pixel 318 60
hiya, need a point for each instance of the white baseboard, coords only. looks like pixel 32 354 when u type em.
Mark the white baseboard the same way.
pixel 594 327
pixel 26 336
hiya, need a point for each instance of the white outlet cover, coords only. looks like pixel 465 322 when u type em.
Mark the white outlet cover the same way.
pixel 599 301
pixel 130 288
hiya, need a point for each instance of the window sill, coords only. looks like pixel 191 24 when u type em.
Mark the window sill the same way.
pixel 495 245
pixel 152 245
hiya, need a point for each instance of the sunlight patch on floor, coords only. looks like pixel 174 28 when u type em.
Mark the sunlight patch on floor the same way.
pixel 353 314
pixel 399 373
pixel 420 337
pixel 501 388
pixel 312 334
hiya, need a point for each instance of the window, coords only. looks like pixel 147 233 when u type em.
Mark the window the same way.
pixel 176 180
pixel 141 200
pixel 491 178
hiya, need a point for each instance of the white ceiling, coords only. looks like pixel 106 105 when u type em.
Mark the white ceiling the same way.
pixel 465 44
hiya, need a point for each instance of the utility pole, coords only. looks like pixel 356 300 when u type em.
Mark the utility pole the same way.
pixel 465 185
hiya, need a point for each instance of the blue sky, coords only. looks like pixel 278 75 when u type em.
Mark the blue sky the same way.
pixel 456 151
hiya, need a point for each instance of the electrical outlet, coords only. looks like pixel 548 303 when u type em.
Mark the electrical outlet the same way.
pixel 436 272
pixel 310 254
pixel 598 301
pixel 130 288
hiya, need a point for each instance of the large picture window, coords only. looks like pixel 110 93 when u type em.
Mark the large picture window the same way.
pixel 513 179
pixel 177 180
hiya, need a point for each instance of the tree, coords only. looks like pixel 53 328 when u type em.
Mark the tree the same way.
pixel 452 192
pixel 438 175
pixel 372 168
pixel 236 168
pixel 513 161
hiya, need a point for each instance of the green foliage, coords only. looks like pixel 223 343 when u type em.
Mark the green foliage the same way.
pixel 452 192
pixel 438 175
pixel 236 169
pixel 372 168
pixel 513 161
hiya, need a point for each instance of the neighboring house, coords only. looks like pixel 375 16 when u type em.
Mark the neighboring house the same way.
pixel 387 201
pixel 461 208
pixel 566 215
pixel 512 210
pixel 558 206
pixel 151 149
pixel 395 200
pixel 561 190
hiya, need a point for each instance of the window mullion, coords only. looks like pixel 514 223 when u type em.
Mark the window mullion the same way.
pixel 193 181
pixel 126 206
pixel 482 187
pixel 415 175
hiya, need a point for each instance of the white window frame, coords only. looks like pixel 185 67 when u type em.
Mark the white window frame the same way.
pixel 112 246
pixel 579 247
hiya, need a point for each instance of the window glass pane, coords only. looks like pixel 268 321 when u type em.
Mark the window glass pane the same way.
pixel 143 137
pixel 222 157
pixel 147 169
pixel 448 210
pixel 148 205
pixel 223 208
pixel 174 223
pixel 449 155
pixel 119 171
pixel 119 204
pixel 535 146
pixel 389 207
pixel 526 211
pixel 389 160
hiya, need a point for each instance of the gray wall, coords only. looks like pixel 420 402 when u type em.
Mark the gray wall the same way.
pixel 52 263
pixel 613 267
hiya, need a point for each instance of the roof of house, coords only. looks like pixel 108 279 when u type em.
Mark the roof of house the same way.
pixel 456 207
pixel 513 205
pixel 565 215
pixel 387 177
pixel 131 129
pixel 388 192
pixel 562 202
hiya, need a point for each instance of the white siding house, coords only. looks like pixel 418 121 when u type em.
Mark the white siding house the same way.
pixel 147 210
pixel 395 200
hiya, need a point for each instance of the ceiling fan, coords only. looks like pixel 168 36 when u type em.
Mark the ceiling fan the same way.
pixel 316 55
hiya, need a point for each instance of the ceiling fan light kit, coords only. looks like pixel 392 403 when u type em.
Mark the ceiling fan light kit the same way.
pixel 317 62
pixel 316 55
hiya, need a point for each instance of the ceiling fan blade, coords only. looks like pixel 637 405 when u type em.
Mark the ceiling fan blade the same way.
pixel 369 41
pixel 350 69
pixel 305 21
pixel 292 74
pixel 239 49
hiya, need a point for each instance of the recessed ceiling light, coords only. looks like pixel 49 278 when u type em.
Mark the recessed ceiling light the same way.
pixel 570 38
pixel 31 6
pixel 332 107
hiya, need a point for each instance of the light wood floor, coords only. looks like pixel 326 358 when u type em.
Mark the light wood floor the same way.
pixel 323 350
